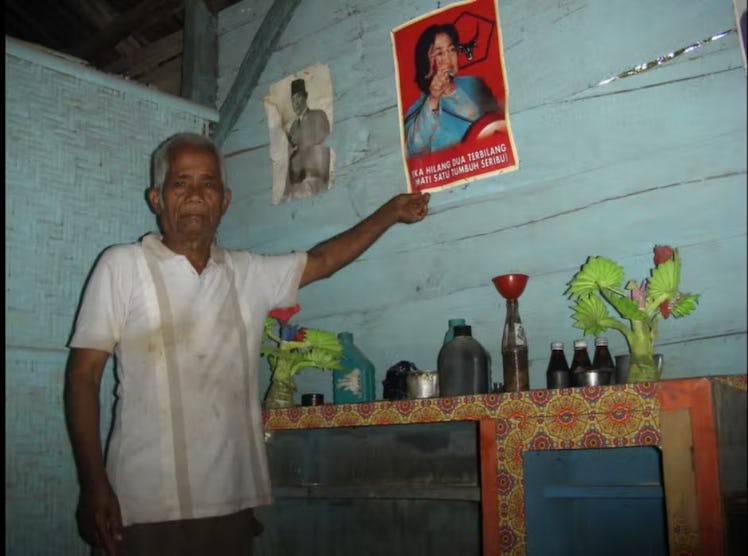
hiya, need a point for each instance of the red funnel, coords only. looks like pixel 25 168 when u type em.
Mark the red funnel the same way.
pixel 510 286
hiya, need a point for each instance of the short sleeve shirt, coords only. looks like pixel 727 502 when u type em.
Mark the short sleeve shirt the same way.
pixel 188 437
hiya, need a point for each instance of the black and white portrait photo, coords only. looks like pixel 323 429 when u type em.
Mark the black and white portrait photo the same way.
pixel 299 110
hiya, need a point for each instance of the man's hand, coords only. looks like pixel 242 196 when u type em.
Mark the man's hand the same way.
pixel 409 207
pixel 98 514
pixel 99 518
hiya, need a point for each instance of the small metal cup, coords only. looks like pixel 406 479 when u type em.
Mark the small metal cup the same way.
pixel 422 384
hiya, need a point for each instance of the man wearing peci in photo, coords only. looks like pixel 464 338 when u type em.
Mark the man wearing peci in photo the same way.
pixel 309 158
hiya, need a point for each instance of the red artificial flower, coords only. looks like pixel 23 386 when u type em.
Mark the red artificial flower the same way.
pixel 663 253
pixel 300 335
pixel 284 315
pixel 665 308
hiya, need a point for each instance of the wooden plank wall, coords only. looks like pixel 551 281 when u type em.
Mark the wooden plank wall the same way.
pixel 658 157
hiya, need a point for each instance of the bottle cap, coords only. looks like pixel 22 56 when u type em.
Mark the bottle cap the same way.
pixel 455 322
pixel 463 330
pixel 557 345
pixel 601 341
pixel 580 344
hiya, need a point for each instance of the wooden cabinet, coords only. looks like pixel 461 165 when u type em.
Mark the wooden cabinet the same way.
pixel 699 424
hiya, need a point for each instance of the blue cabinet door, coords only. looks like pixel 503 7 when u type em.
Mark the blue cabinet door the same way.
pixel 607 501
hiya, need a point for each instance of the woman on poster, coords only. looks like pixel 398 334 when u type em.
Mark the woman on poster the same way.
pixel 449 104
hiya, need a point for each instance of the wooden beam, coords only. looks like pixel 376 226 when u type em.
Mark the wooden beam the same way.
pixel 200 54
pixel 253 64
pixel 98 14
pixel 166 77
pixel 148 57
pixel 123 26
pixel 32 26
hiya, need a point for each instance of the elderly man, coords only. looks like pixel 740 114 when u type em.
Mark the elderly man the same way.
pixel 184 317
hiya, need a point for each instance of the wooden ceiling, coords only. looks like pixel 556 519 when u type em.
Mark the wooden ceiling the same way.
pixel 138 39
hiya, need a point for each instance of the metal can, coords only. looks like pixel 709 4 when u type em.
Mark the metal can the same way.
pixel 422 384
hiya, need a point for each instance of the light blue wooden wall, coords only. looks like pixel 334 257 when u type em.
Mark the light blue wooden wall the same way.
pixel 77 153
pixel 608 170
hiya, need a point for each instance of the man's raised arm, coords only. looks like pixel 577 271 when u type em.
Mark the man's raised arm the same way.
pixel 326 258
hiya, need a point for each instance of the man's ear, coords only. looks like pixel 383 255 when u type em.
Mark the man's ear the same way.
pixel 226 200
pixel 154 200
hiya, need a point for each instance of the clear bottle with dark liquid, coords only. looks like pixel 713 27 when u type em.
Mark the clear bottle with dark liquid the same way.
pixel 580 362
pixel 514 351
pixel 557 374
pixel 602 358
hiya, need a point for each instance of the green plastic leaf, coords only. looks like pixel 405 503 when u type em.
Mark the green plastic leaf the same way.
pixel 319 349
pixel 323 340
pixel 324 359
pixel 626 307
pixel 596 273
pixel 665 279
pixel 684 305
pixel 591 315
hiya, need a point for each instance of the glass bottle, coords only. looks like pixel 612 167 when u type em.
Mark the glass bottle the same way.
pixel 462 365
pixel 451 329
pixel 580 361
pixel 355 381
pixel 558 375
pixel 602 361
pixel 514 351
pixel 602 358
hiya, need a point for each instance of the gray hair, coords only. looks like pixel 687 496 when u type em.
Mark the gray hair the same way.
pixel 160 158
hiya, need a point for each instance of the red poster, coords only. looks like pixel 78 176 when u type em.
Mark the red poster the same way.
pixel 452 97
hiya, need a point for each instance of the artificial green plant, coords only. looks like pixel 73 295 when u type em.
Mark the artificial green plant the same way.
pixel 599 283
pixel 293 348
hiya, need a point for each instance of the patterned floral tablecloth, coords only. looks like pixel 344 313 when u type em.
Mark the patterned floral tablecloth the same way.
pixel 573 418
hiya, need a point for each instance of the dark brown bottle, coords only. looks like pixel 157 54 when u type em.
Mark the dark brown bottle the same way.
pixel 602 358
pixel 580 361
pixel 558 375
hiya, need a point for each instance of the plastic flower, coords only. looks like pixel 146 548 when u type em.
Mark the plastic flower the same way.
pixel 598 284
pixel 290 348
pixel 284 315
pixel 663 253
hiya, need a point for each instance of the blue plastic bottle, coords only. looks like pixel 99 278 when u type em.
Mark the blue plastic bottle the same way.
pixel 355 381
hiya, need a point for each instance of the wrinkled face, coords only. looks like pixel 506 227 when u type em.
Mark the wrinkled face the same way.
pixel 298 101
pixel 193 199
pixel 443 54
